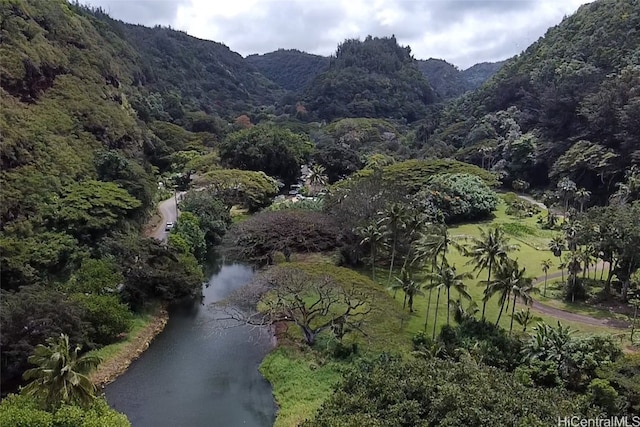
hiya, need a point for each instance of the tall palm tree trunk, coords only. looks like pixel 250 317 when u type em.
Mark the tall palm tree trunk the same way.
pixel 426 317
pixel 484 301
pixel 393 257
pixel 513 309
pixel 544 291
pixel 435 320
pixel 501 309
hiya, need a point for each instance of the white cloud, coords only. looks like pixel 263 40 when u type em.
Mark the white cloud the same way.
pixel 463 32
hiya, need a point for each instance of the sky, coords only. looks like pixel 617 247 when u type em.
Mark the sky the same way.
pixel 462 32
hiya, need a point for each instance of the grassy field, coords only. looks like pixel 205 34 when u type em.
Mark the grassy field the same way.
pixel 300 382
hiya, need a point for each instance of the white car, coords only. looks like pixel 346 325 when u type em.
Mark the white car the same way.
pixel 168 226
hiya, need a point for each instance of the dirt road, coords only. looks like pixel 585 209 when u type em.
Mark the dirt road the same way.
pixel 574 317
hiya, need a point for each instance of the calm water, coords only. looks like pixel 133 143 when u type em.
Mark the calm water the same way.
pixel 197 374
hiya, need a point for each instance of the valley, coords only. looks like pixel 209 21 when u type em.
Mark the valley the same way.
pixel 461 250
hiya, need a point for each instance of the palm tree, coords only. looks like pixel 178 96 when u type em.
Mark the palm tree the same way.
pixel 371 235
pixel 61 374
pixel 433 243
pixel 486 251
pixel 508 277
pixel 582 196
pixel 566 190
pixel 556 245
pixel 317 178
pixel 410 288
pixel 394 221
pixel 447 278
pixel 546 265
pixel 524 318
pixel 573 263
pixel 522 287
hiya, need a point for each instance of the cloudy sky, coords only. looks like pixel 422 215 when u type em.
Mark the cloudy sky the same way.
pixel 463 32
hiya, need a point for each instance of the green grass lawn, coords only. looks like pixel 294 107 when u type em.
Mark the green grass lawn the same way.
pixel 530 254
pixel 300 383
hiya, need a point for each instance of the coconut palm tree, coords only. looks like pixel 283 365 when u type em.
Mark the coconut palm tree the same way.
pixel 434 243
pixel 546 265
pixel 410 287
pixel 486 251
pixel 317 178
pixel 582 196
pixel 522 287
pixel 394 218
pixel 507 278
pixel 446 277
pixel 61 374
pixel 556 245
pixel 373 236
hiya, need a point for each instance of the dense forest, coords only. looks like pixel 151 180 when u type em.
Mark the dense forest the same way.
pixel 371 78
pixel 450 82
pixel 291 69
pixel 566 106
pixel 354 183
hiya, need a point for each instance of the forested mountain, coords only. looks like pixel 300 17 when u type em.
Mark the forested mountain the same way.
pixel 371 78
pixel 445 78
pixel 207 75
pixel 477 74
pixel 449 82
pixel 568 106
pixel 290 68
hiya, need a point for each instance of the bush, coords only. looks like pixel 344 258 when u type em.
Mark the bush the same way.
pixel 484 341
pixel 460 197
pixel 107 315
pixel 24 411
pixel 394 392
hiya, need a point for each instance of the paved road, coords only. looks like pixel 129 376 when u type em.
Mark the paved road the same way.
pixel 169 213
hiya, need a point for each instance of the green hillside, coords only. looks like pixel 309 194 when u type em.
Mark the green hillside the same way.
pixel 291 69
pixel 567 106
pixel 373 78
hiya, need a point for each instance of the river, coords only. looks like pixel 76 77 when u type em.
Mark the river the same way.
pixel 198 374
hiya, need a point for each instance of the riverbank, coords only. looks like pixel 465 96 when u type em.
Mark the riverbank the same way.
pixel 117 357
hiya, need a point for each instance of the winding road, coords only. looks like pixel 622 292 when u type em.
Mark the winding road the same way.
pixel 168 210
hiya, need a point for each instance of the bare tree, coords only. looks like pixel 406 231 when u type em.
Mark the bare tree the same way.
pixel 289 294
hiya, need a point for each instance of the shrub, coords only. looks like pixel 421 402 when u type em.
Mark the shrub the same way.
pixel 460 197
pixel 389 391
pixel 107 315
pixel 24 411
